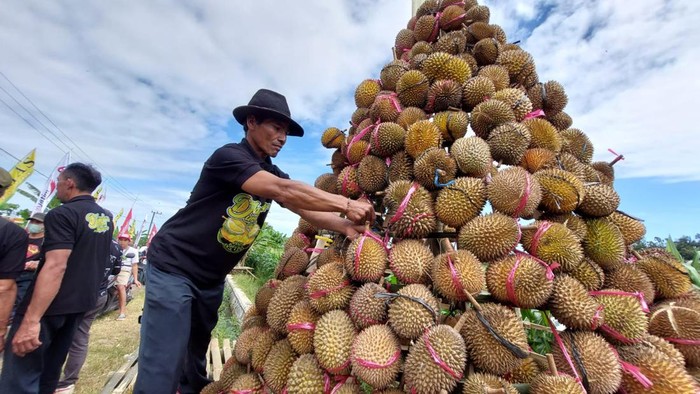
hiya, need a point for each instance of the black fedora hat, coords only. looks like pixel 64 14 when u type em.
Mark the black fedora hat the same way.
pixel 271 103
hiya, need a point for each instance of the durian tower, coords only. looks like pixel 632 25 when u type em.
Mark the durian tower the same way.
pixel 489 204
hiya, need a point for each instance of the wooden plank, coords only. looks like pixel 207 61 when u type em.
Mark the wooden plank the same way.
pixel 239 301
pixel 127 381
pixel 227 349
pixel 118 375
pixel 215 358
pixel 209 374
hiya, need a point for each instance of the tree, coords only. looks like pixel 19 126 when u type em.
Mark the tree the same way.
pixel 7 209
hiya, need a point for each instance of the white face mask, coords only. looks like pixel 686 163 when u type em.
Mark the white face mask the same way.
pixel 35 228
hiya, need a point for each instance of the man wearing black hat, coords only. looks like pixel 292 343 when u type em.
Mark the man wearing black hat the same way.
pixel 13 246
pixel 190 256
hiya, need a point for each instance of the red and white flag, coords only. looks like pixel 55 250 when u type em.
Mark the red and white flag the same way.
pixel 50 186
pixel 124 229
pixel 153 232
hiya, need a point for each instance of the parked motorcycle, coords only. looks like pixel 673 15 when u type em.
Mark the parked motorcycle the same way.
pixel 112 303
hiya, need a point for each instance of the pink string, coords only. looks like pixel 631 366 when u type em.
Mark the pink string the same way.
pixel 618 156
pixel 525 196
pixel 510 290
pixel 373 365
pixel 375 135
pixel 312 250
pixel 549 267
pixel 340 380
pixel 633 370
pixel 301 326
pixel 535 114
pixel 455 276
pixel 409 231
pixel 322 293
pixel 636 294
pixel 436 28
pixel 617 335
pixel 404 203
pixel 535 244
pixel 438 360
pixel 565 352
pixel 339 368
pixel 392 97
pixel 596 317
pixel 682 341
pixel 358 315
pixel 456 18
pixel 358 250
pixel 246 391
pixel 305 238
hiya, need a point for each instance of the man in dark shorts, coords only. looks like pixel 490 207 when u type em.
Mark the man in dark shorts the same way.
pixel 190 256
pixel 77 239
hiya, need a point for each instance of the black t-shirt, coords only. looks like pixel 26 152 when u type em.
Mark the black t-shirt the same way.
pixel 34 249
pixel 13 247
pixel 86 229
pixel 206 238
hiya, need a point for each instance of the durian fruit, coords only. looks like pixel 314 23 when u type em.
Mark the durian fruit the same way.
pixel 470 61
pixel 479 13
pixel 387 139
pixel 251 318
pixel 568 162
pixel 412 89
pixel 401 167
pixel 332 138
pixel 488 353
pixel 578 144
pixel 338 161
pixel 537 159
pixel 632 229
pixel 212 388
pixel 562 384
pixel 297 240
pixel 427 28
pixel 359 115
pixel 473 156
pixel 561 121
pixel 572 221
pixel 347 386
pixel 277 365
pixel 264 294
pixel 478 30
pixel 441 65
pixel 329 288
pixel 661 345
pixel 366 309
pixel 366 92
pixel 329 256
pixel 231 370
pixel 480 383
pixel 386 107
pixel 452 17
pixel 516 100
pixel 444 94
pixel 391 73
pixel 553 243
pixel 497 74
pixel 665 375
pixel 525 373
pixel 627 277
pixel 514 192
pixel 461 201
pixel 412 311
pixel 604 243
pixel 453 42
pixel 410 261
pixel 416 218
pixel 409 116
pixel 606 169
pixel 508 142
pixel 591 276
pixel 489 237
pixel 376 356
pixel 420 48
pixel 520 280
pixel 420 136
pixel 571 305
pixel 490 114
pixel 599 200
pixel 486 51
pixel 562 191
pixel 294 261
pixel 669 276
pixel 245 342
pixel 500 36
pixel 305 376
pixel 477 90
pixel 543 134
pixel 366 258
pixel 261 347
pixel 356 150
pixel 290 291
pixel 333 339
pixel 678 321
pixel 625 319
pixel 431 162
pixel 456 274
pixel 328 183
pixel 347 183
pixel 301 326
pixel 593 358
pixel 372 174
pixel 549 97
pixel 247 383
pixel 403 43
pixel 520 65
pixel 435 362
pixel 452 124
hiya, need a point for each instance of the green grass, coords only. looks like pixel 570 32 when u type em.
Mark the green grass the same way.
pixel 248 284
pixel 227 326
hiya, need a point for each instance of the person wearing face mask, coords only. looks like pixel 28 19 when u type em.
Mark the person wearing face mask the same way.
pixel 35 228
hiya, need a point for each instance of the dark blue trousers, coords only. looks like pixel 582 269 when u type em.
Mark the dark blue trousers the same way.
pixel 176 325
pixel 39 371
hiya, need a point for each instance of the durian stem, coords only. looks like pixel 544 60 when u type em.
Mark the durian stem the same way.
pixel 618 158
pixel 529 227
pixel 537 356
pixel 393 53
pixel 460 322
pixel 636 254
pixel 536 326
pixel 552 365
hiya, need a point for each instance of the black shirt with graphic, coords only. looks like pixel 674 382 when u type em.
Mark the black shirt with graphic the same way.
pixel 34 249
pixel 207 237
pixel 86 229
pixel 13 248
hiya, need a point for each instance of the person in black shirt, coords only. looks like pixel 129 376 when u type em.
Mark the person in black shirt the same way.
pixel 189 257
pixel 76 249
pixel 36 240
pixel 13 246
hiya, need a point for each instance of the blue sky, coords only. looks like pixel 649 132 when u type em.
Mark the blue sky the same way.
pixel 145 89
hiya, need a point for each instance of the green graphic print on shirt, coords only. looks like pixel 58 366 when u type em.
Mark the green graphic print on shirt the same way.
pixel 241 223
pixel 97 222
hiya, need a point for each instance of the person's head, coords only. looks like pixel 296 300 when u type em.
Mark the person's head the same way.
pixel 124 240
pixel 267 122
pixel 5 180
pixel 36 223
pixel 77 179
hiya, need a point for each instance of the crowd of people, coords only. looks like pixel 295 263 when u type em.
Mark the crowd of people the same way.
pixel 188 260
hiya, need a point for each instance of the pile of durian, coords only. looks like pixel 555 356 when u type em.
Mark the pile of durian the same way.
pixel 488 204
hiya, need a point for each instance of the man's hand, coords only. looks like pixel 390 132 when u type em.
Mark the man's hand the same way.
pixel 31 265
pixel 353 231
pixel 137 283
pixel 360 212
pixel 26 338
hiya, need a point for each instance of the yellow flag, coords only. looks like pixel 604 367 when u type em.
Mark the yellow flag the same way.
pixel 20 172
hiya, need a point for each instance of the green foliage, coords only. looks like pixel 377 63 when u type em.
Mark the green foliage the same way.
pixel 7 209
pixel 686 246
pixel 265 252
pixel 248 284
pixel 539 340
pixel 692 267
pixel 227 326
